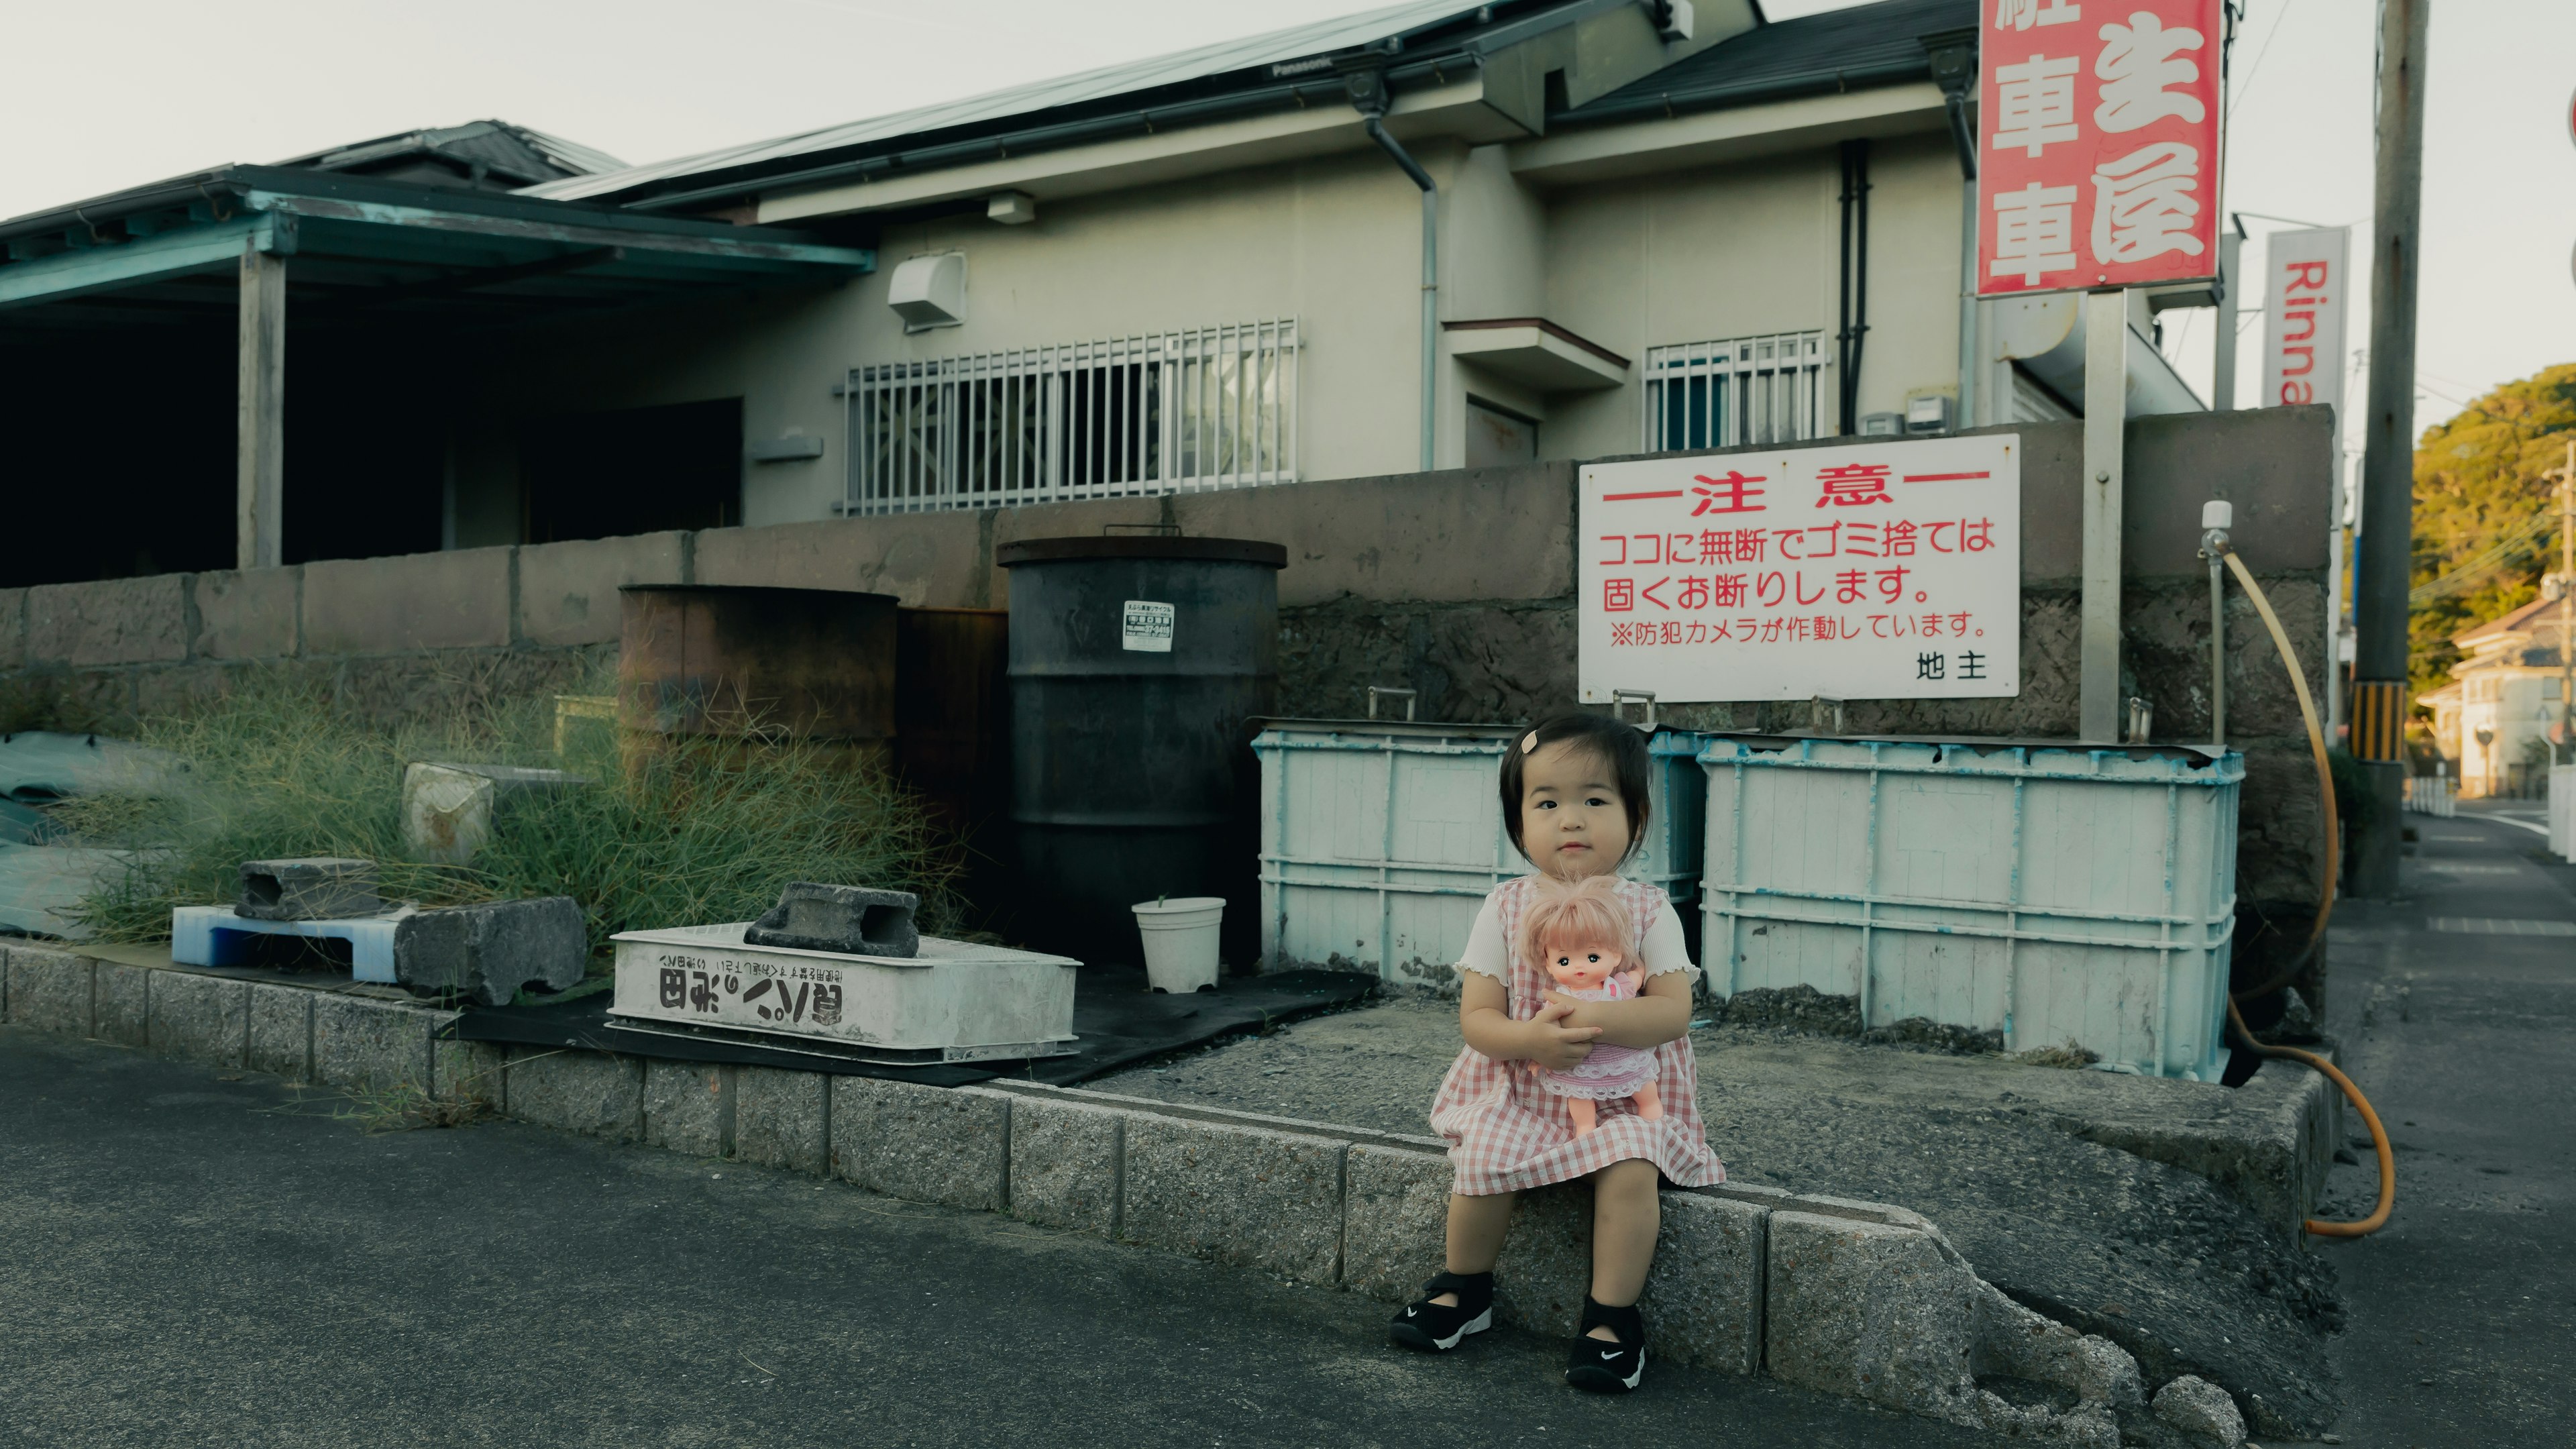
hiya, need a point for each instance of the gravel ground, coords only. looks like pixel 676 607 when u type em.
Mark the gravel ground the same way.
pixel 2154 1257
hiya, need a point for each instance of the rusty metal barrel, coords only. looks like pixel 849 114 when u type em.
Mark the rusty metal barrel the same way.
pixel 725 662
pixel 1136 664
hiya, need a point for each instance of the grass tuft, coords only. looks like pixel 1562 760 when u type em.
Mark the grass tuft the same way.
pixel 689 833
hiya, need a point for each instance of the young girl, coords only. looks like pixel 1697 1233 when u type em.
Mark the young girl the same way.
pixel 1574 800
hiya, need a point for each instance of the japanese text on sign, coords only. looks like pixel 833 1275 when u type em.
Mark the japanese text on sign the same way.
pixel 2099 164
pixel 1873 571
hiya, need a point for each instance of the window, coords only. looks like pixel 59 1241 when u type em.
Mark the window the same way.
pixel 1213 407
pixel 1747 392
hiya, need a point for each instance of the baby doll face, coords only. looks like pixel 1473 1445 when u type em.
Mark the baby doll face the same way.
pixel 1581 966
pixel 1574 823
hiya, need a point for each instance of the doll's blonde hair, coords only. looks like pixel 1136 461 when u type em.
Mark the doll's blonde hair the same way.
pixel 1574 913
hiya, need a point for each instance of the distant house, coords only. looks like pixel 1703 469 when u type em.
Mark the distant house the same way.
pixel 2497 716
pixel 1434 235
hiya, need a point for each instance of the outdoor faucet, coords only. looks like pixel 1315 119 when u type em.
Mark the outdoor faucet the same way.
pixel 2216 516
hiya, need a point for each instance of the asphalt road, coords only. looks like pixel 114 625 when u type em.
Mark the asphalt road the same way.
pixel 2462 1331
pixel 192 1257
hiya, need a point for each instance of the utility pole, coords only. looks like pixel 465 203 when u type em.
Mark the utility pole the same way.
pixel 2567 603
pixel 2378 711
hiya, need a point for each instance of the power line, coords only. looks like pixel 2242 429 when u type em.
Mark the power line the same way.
pixel 2486 562
pixel 2247 84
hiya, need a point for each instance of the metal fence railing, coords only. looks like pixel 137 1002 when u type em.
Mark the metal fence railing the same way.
pixel 2434 795
pixel 1170 412
pixel 1745 392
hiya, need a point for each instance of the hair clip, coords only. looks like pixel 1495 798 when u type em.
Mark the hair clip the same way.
pixel 1529 743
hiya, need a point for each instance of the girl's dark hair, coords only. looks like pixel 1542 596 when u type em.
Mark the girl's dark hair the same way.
pixel 1618 744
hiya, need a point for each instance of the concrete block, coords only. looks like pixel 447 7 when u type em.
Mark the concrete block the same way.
pixel 780 1117
pixel 369 1046
pixel 49 990
pixel 120 997
pixel 179 689
pixel 591 1093
pixel 490 949
pixel 13 628
pixel 469 1071
pixel 923 1144
pixel 2201 1412
pixel 1065 1163
pixel 1244 1195
pixel 568 591
pixel 1869 1311
pixel 246 614
pixel 1395 1220
pixel 198 1018
pixel 1453 536
pixel 851 920
pixel 923 559
pixel 453 600
pixel 1546 1264
pixel 684 1107
pixel 448 810
pixel 1703 1298
pixel 314 888
pixel 281 1032
pixel 114 621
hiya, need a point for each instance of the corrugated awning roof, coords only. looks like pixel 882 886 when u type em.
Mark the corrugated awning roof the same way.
pixel 1867 45
pixel 1322 37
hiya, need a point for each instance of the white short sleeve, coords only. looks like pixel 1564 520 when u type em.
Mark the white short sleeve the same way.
pixel 1487 953
pixel 1665 950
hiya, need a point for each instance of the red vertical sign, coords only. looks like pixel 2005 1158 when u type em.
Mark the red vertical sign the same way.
pixel 2098 166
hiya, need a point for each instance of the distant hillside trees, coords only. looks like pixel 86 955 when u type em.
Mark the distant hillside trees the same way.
pixel 2482 487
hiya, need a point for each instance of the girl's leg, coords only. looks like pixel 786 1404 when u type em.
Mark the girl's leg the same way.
pixel 1476 1228
pixel 1625 1216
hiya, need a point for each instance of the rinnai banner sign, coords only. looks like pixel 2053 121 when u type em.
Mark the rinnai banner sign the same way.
pixel 2099 166
pixel 1874 571
pixel 2303 309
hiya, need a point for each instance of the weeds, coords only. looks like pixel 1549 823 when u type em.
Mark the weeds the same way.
pixel 685 833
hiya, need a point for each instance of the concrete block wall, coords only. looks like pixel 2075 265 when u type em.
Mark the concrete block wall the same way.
pixel 1860 1299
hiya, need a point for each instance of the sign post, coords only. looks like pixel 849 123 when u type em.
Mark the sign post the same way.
pixel 2100 174
pixel 2308 276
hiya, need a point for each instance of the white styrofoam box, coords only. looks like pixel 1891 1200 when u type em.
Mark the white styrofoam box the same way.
pixel 1379 840
pixel 954 1002
pixel 2057 893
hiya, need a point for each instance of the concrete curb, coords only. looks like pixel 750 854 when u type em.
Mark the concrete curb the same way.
pixel 1860 1299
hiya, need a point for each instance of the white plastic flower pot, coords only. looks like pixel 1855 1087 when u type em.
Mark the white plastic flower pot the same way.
pixel 1180 941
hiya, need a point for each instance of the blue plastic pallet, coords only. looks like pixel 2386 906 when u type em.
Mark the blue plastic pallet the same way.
pixel 217 936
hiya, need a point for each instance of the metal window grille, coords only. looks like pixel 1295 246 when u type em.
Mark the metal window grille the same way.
pixel 1176 412
pixel 1741 393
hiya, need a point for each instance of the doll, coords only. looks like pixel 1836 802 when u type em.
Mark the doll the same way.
pixel 1580 934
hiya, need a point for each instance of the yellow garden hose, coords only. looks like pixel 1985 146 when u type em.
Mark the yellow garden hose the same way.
pixel 2325 907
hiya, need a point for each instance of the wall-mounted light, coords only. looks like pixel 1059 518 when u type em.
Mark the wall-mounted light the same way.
pixel 1011 208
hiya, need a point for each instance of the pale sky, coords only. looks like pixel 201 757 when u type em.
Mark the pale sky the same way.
pixel 109 96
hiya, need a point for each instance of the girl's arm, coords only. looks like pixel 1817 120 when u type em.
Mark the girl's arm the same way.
pixel 1660 1014
pixel 1485 1019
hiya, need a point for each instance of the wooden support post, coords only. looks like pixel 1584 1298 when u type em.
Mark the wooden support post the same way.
pixel 2106 418
pixel 260 424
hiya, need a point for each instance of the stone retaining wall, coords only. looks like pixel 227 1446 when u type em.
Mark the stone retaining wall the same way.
pixel 1859 1299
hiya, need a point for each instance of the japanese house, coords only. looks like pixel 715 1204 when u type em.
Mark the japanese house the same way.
pixel 2496 719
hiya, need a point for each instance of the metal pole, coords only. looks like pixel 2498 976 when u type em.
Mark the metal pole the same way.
pixel 2222 388
pixel 2106 416
pixel 2380 575
pixel 1430 284
pixel 2567 603
pixel 259 427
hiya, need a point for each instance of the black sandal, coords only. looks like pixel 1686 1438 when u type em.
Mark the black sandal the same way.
pixel 1607 1368
pixel 1438 1327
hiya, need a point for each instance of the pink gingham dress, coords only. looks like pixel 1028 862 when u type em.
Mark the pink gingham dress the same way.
pixel 1508 1133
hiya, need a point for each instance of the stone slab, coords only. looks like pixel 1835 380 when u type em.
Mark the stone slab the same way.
pixel 1244 1195
pixel 310 888
pixel 781 1118
pixel 1869 1311
pixel 453 600
pixel 848 920
pixel 591 1093
pixel 684 1107
pixel 1066 1160
pixel 1546 1264
pixel 490 949
pixel 113 621
pixel 1704 1294
pixel 49 990
pixel 1395 1220
pixel 281 1032
pixel 198 1018
pixel 120 1003
pixel 370 1046
pixel 923 1144
pixel 246 613
pixel 13 628
pixel 568 591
